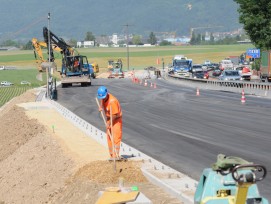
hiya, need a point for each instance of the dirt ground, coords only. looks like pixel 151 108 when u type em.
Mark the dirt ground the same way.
pixel 38 166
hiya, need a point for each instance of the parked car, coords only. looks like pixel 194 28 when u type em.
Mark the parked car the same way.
pixel 228 75
pixel 216 72
pixel 198 75
pixel 6 83
pixel 204 66
pixel 207 62
pixel 213 66
pixel 196 67
pixel 245 63
pixel 25 83
pixel 216 65
pixel 197 72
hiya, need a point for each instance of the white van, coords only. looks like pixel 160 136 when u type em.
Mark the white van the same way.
pixel 226 64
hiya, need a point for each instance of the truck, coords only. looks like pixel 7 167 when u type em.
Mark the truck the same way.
pixel 265 66
pixel 74 74
pixel 235 60
pixel 244 72
pixel 181 65
pixel 75 68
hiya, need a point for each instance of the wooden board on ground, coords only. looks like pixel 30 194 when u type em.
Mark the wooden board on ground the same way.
pixel 117 197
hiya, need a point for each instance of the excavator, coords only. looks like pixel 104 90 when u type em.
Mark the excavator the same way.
pixel 231 180
pixel 75 67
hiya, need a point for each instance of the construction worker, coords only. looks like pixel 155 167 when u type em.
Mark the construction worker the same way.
pixel 107 101
pixel 76 65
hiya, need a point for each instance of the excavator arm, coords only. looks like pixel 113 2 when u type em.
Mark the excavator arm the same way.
pixel 65 49
pixel 37 46
pixel 40 61
pixel 56 44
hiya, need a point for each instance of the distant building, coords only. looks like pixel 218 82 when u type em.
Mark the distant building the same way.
pixel 179 40
pixel 246 41
pixel 85 44
pixel 102 40
pixel 115 39
pixel 103 45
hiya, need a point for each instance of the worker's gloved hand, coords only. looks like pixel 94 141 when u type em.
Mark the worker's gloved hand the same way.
pixel 100 109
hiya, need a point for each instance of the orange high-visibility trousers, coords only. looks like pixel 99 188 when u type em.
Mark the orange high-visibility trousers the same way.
pixel 117 134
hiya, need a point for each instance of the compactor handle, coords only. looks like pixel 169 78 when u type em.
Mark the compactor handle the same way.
pixel 251 176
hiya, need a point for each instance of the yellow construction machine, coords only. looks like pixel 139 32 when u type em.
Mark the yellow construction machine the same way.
pixel 42 63
pixel 57 45
pixel 115 69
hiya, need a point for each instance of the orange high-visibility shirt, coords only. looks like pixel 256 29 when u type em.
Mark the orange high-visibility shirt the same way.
pixel 114 103
pixel 76 63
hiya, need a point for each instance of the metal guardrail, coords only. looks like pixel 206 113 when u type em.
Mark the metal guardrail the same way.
pixel 252 88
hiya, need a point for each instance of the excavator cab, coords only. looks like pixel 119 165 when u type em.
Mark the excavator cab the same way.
pixel 231 180
pixel 75 65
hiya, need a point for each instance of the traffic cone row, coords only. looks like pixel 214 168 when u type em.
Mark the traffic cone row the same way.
pixel 243 98
pixel 142 82
pixel 153 85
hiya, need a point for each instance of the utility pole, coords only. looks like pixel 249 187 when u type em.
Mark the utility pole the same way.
pixel 127 45
pixel 48 70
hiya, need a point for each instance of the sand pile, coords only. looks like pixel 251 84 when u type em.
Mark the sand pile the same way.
pixel 104 172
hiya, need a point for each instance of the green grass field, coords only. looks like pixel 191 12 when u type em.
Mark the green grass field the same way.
pixel 8 93
pixel 16 76
pixel 139 58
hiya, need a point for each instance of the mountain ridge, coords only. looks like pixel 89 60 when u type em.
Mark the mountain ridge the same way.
pixel 72 19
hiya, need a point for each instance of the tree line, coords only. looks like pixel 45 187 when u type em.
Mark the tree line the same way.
pixel 197 39
pixel 136 40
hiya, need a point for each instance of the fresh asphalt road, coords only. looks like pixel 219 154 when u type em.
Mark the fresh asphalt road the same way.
pixel 178 128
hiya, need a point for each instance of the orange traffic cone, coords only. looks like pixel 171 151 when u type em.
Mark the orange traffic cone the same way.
pixel 146 83
pixel 154 85
pixel 151 85
pixel 197 91
pixel 243 98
